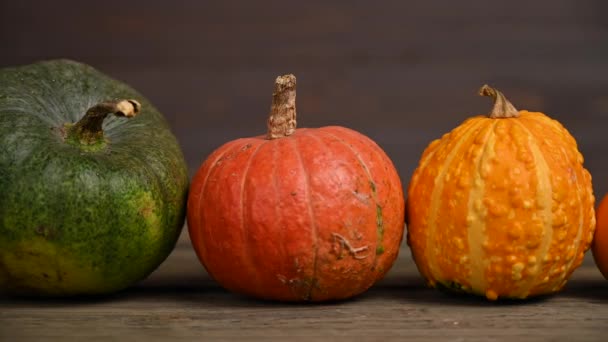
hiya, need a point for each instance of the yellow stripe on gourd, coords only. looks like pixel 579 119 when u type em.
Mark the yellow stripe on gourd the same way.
pixel 476 215
pixel 461 139
pixel 544 207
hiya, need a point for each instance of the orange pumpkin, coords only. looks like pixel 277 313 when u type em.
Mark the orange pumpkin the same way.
pixel 299 214
pixel 501 206
pixel 600 241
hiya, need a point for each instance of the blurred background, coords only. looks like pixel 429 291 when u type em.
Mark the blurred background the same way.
pixel 401 72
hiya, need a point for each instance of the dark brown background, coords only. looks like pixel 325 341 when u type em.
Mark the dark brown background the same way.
pixel 401 72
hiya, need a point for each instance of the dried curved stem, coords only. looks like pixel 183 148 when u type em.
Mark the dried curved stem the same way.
pixel 88 130
pixel 502 107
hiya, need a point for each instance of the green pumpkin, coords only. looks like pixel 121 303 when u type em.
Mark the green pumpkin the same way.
pixel 89 204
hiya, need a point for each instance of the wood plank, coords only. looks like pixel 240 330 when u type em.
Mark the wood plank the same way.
pixel 179 301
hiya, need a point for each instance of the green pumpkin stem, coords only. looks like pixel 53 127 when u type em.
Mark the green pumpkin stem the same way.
pixel 502 107
pixel 282 119
pixel 88 130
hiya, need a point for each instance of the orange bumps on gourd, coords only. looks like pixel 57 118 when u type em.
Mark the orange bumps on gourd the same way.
pixel 524 213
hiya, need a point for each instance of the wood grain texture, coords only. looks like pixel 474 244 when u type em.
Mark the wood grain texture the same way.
pixel 180 302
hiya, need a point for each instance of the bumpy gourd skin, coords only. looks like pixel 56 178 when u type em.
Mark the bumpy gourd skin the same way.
pixel 501 207
pixel 76 221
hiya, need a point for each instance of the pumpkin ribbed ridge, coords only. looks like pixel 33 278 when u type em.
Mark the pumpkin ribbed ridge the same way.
pixel 280 234
pixel 543 202
pixel 572 234
pixel 248 258
pixel 435 247
pixel 336 230
pixel 437 244
pixel 202 177
pixel 374 195
pixel 386 193
pixel 476 226
pixel 223 213
pixel 313 221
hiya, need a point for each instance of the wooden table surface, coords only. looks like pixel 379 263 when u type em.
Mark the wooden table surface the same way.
pixel 180 302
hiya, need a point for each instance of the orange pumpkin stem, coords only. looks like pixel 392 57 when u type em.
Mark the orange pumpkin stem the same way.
pixel 282 120
pixel 502 107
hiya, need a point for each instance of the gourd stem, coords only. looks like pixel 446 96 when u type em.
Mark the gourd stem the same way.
pixel 282 119
pixel 502 107
pixel 88 130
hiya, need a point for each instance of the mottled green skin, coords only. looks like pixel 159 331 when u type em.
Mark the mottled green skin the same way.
pixel 74 221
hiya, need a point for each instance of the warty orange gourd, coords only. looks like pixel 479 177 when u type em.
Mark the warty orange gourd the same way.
pixel 501 206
